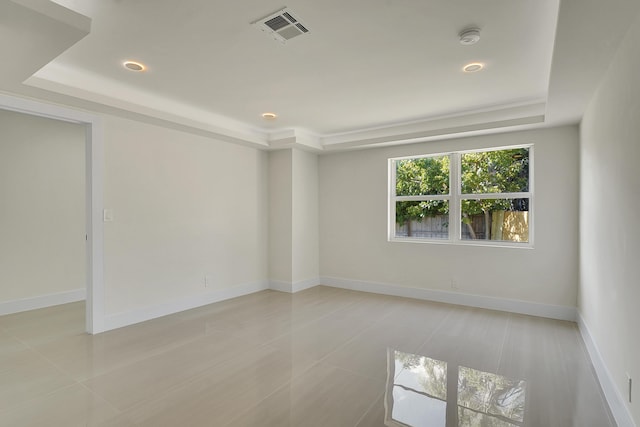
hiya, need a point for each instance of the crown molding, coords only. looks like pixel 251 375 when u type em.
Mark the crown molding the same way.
pixel 440 128
pixel 54 77
pixel 294 138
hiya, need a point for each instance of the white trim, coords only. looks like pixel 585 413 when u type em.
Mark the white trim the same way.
pixel 483 243
pixel 280 286
pixel 612 394
pixel 94 196
pixel 480 301
pixel 292 288
pixel 301 285
pixel 391 203
pixel 68 80
pixel 122 319
pixel 423 197
pixel 42 301
pixel 95 227
pixel 455 204
pixel 470 123
pixel 496 196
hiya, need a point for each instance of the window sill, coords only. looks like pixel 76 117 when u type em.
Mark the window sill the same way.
pixel 482 243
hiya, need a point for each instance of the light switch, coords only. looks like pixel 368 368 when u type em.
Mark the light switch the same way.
pixel 108 215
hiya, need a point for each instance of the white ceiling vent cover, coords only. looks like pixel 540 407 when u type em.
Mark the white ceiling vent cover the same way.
pixel 282 25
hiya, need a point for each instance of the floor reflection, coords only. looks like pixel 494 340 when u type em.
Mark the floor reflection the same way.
pixel 419 390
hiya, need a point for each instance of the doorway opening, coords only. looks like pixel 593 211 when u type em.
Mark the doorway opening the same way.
pixel 93 174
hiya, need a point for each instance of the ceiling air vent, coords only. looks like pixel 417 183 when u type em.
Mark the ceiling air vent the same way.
pixel 281 25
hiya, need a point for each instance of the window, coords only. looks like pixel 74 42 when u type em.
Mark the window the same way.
pixel 482 196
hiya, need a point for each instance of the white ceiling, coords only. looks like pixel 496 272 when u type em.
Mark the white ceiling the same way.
pixel 369 72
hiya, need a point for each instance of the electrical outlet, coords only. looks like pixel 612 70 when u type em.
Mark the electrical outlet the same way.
pixel 629 381
pixel 207 281
pixel 454 284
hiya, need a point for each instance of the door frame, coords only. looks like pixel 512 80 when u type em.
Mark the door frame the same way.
pixel 94 196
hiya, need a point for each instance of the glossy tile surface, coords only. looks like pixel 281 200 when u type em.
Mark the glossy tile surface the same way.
pixel 321 357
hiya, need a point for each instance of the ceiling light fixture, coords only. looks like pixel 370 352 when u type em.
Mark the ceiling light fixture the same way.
pixel 473 67
pixel 134 66
pixel 269 116
pixel 469 36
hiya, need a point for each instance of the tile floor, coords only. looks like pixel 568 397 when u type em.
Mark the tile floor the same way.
pixel 322 357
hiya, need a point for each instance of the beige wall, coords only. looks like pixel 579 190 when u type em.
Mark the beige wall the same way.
pixel 42 206
pixel 353 226
pixel 305 252
pixel 280 214
pixel 185 207
pixel 609 224
pixel 293 216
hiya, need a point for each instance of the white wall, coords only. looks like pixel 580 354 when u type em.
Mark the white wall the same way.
pixel 609 218
pixel 353 226
pixel 42 206
pixel 305 252
pixel 280 215
pixel 293 218
pixel 185 207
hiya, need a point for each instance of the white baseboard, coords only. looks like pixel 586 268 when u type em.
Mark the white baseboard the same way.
pixel 42 301
pixel 119 320
pixel 278 285
pixel 615 400
pixel 480 301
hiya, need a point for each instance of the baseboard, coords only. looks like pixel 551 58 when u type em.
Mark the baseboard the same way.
pixel 119 320
pixel 480 301
pixel 278 285
pixel 615 400
pixel 42 301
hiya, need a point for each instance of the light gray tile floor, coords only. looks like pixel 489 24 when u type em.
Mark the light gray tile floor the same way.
pixel 322 357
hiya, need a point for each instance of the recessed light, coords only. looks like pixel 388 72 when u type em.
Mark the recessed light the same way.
pixel 134 66
pixel 269 116
pixel 473 67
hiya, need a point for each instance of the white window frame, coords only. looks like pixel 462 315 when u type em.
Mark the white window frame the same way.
pixel 455 198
